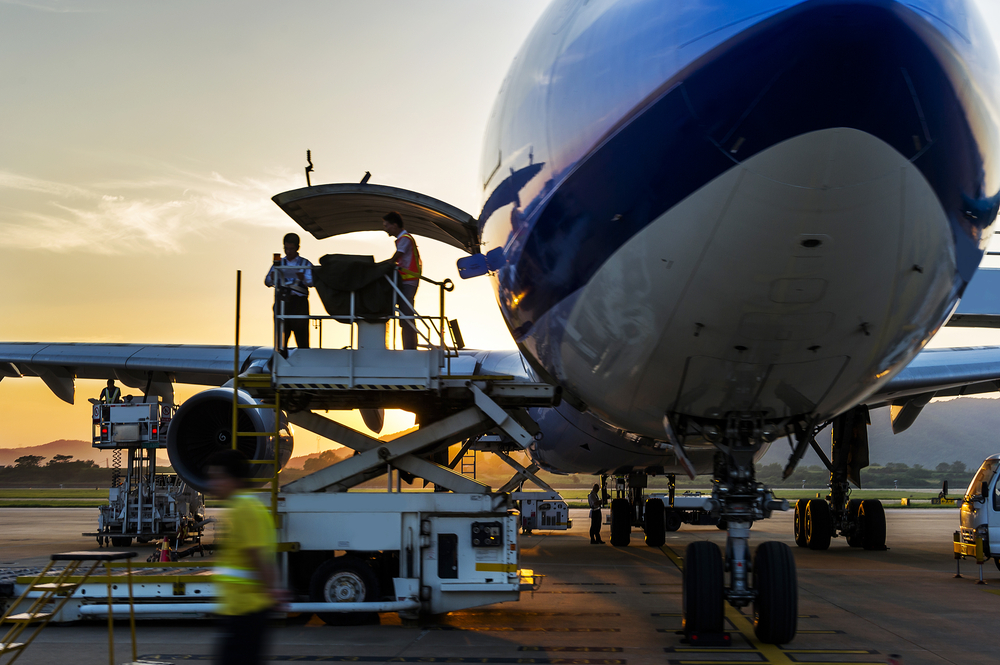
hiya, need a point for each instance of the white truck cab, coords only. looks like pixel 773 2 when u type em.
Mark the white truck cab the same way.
pixel 980 512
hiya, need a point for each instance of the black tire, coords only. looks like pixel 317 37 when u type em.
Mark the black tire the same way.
pixel 672 520
pixel 702 588
pixel 871 520
pixel 621 522
pixel 800 522
pixel 654 523
pixel 819 524
pixel 775 610
pixel 120 541
pixel 722 524
pixel 344 579
pixel 996 560
pixel 855 534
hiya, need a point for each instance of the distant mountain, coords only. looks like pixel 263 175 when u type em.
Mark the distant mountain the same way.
pixel 80 450
pixel 966 429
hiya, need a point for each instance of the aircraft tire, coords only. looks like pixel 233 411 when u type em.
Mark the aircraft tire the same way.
pixel 621 522
pixel 853 517
pixel 800 522
pixel 702 588
pixel 672 520
pixel 345 579
pixel 872 522
pixel 775 610
pixel 819 524
pixel 654 523
pixel 120 541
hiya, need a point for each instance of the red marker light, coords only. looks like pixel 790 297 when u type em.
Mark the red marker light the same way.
pixel 154 431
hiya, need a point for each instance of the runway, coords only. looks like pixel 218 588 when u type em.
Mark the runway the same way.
pixel 601 605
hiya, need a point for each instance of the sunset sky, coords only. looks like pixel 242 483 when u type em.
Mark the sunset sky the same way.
pixel 142 142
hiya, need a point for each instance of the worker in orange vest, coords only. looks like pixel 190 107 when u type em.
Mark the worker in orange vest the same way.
pixel 409 268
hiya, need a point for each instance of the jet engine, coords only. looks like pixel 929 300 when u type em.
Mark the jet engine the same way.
pixel 204 425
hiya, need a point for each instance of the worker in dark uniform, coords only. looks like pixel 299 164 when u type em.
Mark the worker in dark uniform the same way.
pixel 293 291
pixel 594 500
pixel 409 267
pixel 110 395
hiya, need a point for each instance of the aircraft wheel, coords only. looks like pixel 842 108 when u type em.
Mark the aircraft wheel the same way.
pixel 344 579
pixel 702 588
pixel 654 523
pixel 722 524
pixel 120 541
pixel 672 520
pixel 872 524
pixel 775 610
pixel 819 524
pixel 800 522
pixel 853 510
pixel 621 522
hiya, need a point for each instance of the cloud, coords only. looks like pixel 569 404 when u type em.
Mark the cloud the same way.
pixel 48 8
pixel 121 216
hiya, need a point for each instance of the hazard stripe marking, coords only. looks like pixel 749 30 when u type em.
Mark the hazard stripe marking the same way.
pixel 401 659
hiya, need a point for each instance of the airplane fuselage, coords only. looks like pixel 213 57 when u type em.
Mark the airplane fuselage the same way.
pixel 748 207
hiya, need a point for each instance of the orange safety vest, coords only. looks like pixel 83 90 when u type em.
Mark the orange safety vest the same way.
pixel 412 269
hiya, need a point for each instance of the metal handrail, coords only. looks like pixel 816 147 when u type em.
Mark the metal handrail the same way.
pixel 441 330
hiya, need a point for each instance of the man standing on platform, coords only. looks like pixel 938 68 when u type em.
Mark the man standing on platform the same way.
pixel 409 267
pixel 294 291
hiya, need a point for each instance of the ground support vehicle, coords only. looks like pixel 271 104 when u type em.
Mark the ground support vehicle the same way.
pixel 542 511
pixel 978 536
pixel 142 504
pixel 686 508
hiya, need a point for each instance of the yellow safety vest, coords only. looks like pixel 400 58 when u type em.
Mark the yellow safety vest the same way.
pixel 413 268
pixel 248 526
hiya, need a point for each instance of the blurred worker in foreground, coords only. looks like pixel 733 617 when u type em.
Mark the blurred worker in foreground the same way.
pixel 594 501
pixel 409 267
pixel 293 290
pixel 112 394
pixel 247 573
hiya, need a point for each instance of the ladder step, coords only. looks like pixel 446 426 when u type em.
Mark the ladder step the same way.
pixel 27 617
pixel 7 647
pixel 56 587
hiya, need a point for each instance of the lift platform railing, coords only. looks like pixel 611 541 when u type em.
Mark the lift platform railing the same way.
pixel 256 381
pixel 433 331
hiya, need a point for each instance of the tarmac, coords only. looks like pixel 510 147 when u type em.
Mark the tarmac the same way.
pixel 601 605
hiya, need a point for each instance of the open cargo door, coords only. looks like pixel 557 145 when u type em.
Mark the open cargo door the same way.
pixel 329 210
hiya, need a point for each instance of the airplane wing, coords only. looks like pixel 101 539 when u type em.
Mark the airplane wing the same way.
pixel 938 373
pixel 153 368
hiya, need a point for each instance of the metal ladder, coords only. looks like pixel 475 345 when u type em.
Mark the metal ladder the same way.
pixel 55 593
pixel 468 467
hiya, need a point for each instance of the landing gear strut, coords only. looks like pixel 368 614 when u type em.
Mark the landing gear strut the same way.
pixel 861 522
pixel 769 581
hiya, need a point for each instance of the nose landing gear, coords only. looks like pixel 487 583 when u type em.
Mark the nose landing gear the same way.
pixel 768 581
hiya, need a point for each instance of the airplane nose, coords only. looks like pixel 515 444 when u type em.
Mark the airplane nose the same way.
pixel 919 81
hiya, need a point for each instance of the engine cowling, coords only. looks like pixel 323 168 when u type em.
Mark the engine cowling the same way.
pixel 204 424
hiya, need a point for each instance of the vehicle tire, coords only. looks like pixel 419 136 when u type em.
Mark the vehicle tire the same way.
pixel 819 524
pixel 996 560
pixel 800 522
pixel 120 541
pixel 871 519
pixel 672 520
pixel 702 588
pixel 654 523
pixel 722 524
pixel 855 536
pixel 775 610
pixel 621 522
pixel 344 579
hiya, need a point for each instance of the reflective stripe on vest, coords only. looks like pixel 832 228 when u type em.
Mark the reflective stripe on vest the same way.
pixel 413 268
pixel 236 576
pixel 111 395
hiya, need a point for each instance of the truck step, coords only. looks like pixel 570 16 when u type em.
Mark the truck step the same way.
pixel 9 647
pixel 55 587
pixel 28 617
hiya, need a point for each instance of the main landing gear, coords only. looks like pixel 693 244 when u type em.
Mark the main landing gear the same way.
pixel 768 581
pixel 818 521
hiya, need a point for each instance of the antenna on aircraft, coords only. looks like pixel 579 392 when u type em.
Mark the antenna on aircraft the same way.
pixel 368 175
pixel 309 168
